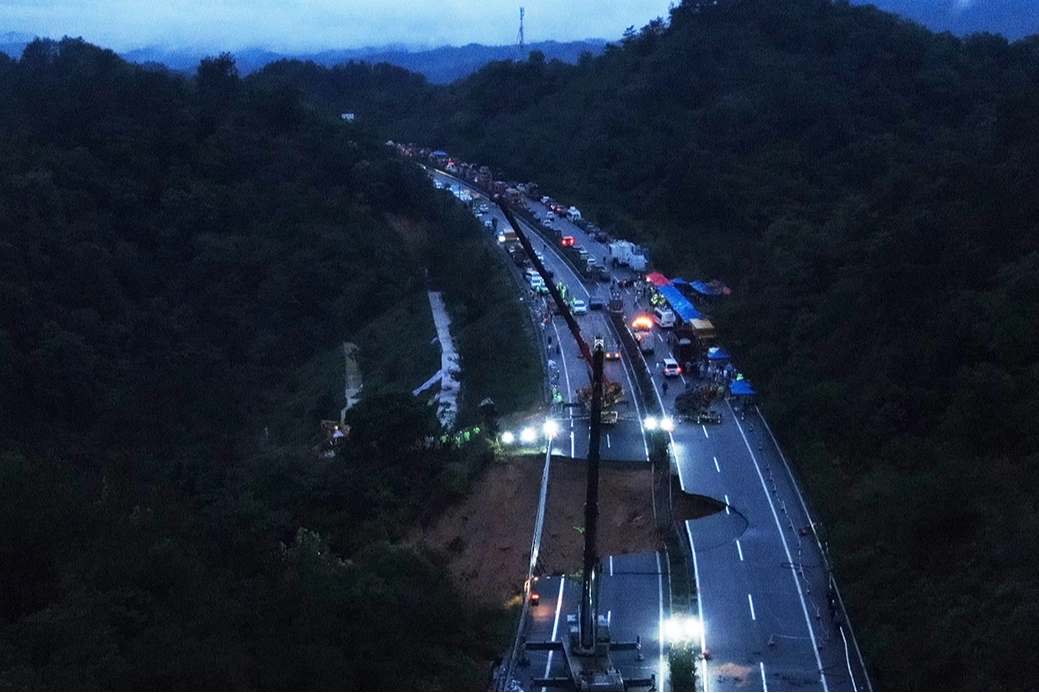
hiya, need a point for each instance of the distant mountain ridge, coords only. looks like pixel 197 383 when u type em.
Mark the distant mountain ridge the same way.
pixel 1014 19
pixel 438 65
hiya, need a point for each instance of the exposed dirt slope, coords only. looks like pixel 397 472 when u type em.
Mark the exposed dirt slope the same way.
pixel 489 534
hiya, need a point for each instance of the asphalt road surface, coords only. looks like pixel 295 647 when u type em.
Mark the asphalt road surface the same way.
pixel 633 597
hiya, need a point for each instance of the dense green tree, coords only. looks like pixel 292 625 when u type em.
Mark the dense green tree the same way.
pixel 869 190
pixel 175 255
pixel 392 420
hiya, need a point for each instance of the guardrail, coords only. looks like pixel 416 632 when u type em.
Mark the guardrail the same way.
pixel 643 382
pixel 507 668
pixel 553 238
pixel 821 547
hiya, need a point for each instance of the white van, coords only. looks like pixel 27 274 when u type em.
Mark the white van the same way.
pixel 664 317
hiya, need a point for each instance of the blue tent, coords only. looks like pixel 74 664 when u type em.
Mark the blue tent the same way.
pixel 718 354
pixel 701 288
pixel 742 387
pixel 678 281
pixel 679 303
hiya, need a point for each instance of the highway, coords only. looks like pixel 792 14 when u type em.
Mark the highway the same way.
pixel 633 594
pixel 764 593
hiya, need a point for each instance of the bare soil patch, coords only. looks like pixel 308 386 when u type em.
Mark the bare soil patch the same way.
pixel 489 534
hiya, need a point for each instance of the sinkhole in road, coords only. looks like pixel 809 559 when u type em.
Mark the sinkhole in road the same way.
pixel 487 535
pixel 719 529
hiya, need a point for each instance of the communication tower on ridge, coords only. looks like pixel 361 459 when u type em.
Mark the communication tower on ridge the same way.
pixel 521 33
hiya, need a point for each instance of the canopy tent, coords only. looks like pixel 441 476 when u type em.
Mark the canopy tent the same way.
pixel 711 288
pixel 680 304
pixel 658 279
pixel 718 354
pixel 678 281
pixel 742 387
pixel 700 288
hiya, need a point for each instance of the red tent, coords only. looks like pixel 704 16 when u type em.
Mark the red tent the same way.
pixel 658 279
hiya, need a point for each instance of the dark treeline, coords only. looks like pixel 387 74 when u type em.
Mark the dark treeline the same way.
pixel 871 191
pixel 175 256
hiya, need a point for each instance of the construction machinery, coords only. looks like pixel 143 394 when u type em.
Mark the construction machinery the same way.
pixel 587 645
pixel 612 395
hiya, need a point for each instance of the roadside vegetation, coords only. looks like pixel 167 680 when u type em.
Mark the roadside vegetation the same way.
pixel 500 358
pixel 398 351
pixel 870 191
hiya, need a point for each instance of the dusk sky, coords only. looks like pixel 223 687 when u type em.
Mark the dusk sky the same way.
pixel 315 25
pixel 322 24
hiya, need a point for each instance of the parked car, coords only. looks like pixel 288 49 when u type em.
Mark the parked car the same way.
pixel 579 307
pixel 671 368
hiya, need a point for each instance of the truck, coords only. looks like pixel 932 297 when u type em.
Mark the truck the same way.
pixel 704 332
pixel 627 254
pixel 508 236
pixel 684 348
pixel 691 340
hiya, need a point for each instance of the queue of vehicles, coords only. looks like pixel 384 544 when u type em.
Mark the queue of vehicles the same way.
pixel 688 340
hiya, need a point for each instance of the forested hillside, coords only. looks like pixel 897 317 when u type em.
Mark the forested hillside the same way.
pixel 180 262
pixel 871 192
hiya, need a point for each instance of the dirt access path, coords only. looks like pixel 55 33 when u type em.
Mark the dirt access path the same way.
pixel 489 534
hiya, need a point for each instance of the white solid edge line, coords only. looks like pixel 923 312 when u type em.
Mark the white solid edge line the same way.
pixel 625 365
pixel 699 606
pixel 660 631
pixel 566 371
pixel 847 658
pixel 566 266
pixel 818 543
pixel 789 558
pixel 555 625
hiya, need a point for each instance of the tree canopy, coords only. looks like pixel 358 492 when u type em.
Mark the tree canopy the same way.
pixel 180 261
pixel 870 190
